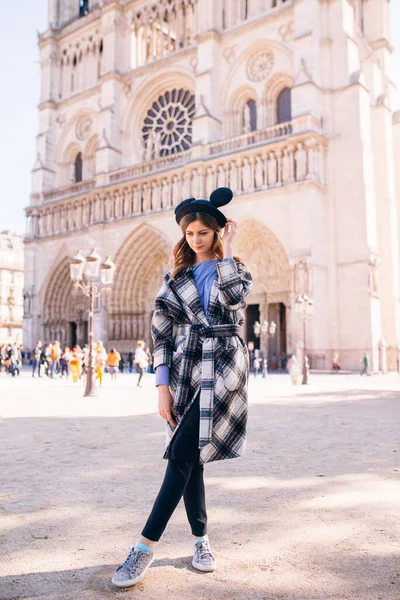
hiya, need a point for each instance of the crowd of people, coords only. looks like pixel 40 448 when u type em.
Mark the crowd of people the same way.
pixel 55 361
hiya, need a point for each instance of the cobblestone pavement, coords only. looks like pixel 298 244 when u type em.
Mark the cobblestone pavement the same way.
pixel 312 512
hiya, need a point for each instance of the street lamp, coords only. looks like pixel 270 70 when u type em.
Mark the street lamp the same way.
pixel 264 330
pixel 84 273
pixel 304 306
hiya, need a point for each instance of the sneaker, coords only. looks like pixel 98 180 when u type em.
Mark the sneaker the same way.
pixel 203 560
pixel 133 569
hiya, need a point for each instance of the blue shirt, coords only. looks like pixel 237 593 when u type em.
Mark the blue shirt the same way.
pixel 204 275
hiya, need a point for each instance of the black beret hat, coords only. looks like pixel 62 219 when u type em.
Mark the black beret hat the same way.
pixel 219 197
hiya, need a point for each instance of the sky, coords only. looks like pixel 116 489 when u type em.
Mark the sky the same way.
pixel 20 85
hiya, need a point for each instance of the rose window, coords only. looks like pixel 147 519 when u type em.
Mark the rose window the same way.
pixel 168 124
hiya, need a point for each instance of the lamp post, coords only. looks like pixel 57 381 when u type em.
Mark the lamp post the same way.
pixel 264 331
pixel 304 309
pixel 84 273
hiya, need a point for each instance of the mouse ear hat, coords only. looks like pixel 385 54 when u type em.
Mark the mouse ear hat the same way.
pixel 219 197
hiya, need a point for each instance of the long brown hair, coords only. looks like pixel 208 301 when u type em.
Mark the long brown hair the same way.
pixel 182 254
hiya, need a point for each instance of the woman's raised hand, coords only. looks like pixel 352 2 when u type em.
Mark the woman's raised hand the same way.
pixel 165 404
pixel 227 239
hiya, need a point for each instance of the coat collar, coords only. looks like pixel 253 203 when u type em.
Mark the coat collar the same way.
pixel 184 286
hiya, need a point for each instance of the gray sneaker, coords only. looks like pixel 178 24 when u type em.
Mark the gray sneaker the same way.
pixel 133 569
pixel 203 560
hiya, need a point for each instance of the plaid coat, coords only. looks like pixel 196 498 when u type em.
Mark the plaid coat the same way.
pixel 206 356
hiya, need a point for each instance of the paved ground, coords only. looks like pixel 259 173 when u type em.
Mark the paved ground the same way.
pixel 311 513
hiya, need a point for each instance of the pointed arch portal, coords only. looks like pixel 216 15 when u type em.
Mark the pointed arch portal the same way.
pixel 141 265
pixel 265 256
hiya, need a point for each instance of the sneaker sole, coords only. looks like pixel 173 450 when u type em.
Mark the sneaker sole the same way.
pixel 203 568
pixel 132 582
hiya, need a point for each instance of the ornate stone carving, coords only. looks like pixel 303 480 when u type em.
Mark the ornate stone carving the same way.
pixel 260 65
pixel 84 128
pixel 264 254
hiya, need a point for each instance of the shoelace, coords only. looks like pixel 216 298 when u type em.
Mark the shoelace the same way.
pixel 127 563
pixel 203 549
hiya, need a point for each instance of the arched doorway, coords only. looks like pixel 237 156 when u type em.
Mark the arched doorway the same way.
pixel 268 262
pixel 64 309
pixel 141 265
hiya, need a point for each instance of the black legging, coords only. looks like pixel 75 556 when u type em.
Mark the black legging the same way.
pixel 141 373
pixel 183 477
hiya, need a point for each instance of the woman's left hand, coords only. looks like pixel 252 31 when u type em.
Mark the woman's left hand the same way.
pixel 229 234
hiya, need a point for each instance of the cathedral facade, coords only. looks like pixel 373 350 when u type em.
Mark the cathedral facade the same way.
pixel 288 102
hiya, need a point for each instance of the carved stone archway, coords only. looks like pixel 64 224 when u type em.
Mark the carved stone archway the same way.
pixel 63 306
pixel 141 264
pixel 266 258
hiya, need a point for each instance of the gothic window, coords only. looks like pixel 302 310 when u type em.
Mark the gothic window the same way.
pixel 284 106
pixel 78 167
pixel 249 116
pixel 83 8
pixel 167 128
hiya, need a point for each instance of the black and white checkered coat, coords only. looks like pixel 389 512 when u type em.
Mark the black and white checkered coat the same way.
pixel 206 356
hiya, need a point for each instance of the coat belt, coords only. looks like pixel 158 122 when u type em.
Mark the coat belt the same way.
pixel 206 335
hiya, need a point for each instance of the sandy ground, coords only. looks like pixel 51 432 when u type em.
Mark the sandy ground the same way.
pixel 311 513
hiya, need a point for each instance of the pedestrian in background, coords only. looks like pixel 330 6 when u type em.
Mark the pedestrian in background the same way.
pixel 256 365
pixel 365 361
pixel 113 359
pixel 336 363
pixel 141 360
pixel 36 358
pixel 75 363
pixel 55 358
pixel 101 357
pixel 64 362
pixel 130 362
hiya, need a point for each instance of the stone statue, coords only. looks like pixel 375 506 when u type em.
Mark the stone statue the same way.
pixel 185 185
pixel 175 190
pixel 209 181
pixel 157 145
pixel 300 158
pixel 195 184
pixel 78 215
pixel 233 177
pixel 49 222
pixel 127 202
pixel 118 205
pixel 108 208
pixel 271 169
pixel 146 197
pixel 246 119
pixel 259 172
pixel 285 166
pixel 155 196
pixel 246 175
pixel 221 176
pixel 150 146
pixel 85 213
pixel 165 194
pixel 137 197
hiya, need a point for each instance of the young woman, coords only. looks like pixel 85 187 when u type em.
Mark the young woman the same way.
pixel 202 371
pixel 141 359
